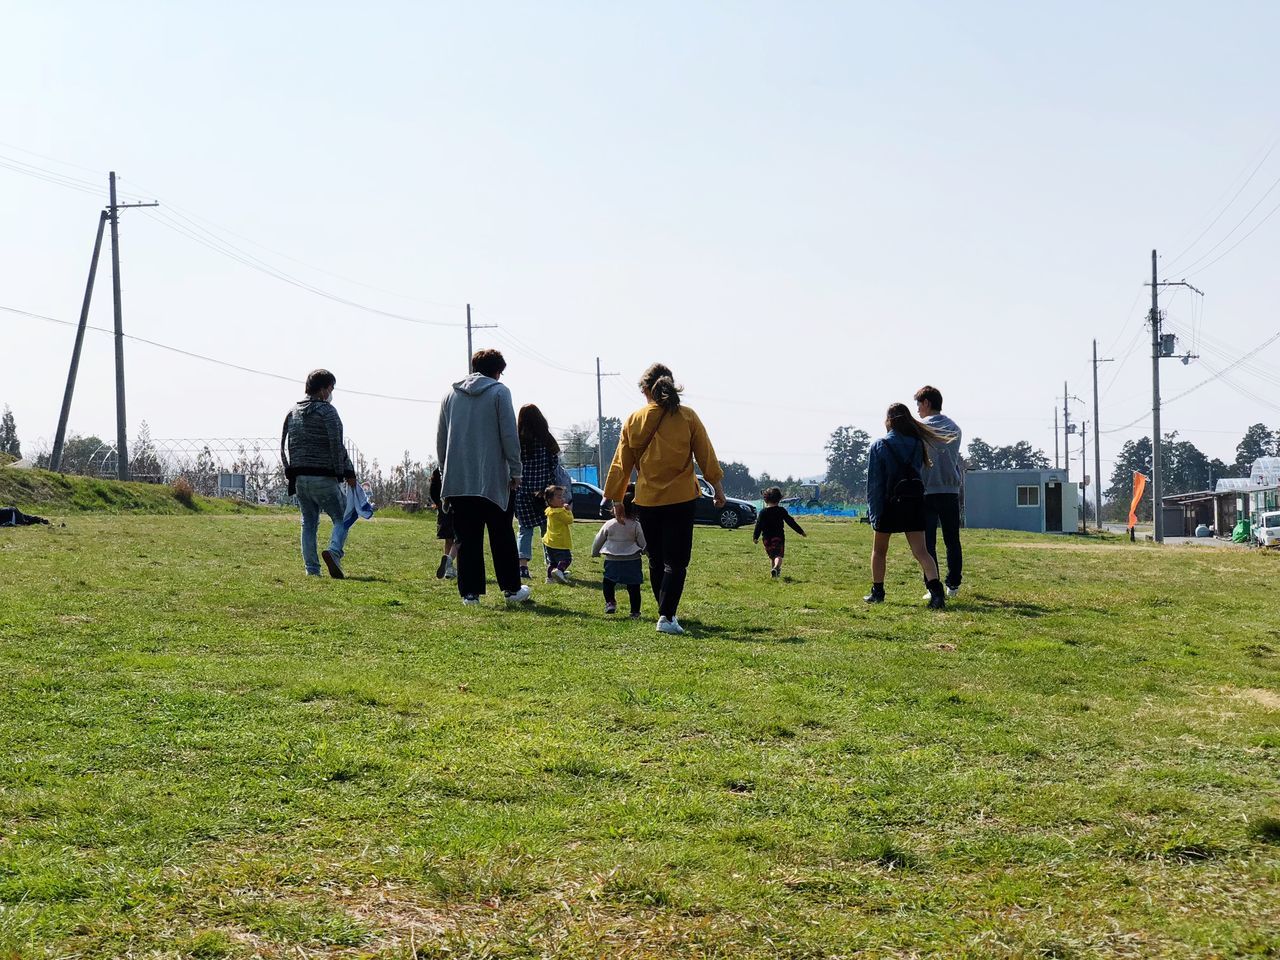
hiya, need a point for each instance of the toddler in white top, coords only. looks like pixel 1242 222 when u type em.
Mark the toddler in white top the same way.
pixel 621 543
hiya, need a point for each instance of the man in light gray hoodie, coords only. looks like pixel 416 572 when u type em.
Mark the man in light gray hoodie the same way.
pixel 942 482
pixel 478 449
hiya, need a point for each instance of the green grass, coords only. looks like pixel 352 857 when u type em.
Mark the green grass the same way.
pixel 40 491
pixel 205 754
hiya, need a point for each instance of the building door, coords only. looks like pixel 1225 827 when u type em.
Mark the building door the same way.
pixel 1053 507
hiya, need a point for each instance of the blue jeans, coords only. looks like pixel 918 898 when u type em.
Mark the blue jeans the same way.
pixel 314 495
pixel 525 545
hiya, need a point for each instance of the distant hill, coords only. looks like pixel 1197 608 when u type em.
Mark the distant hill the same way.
pixel 34 491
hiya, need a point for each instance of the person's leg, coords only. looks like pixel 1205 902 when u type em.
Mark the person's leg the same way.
pixel 633 593
pixel 468 531
pixel 524 546
pixel 651 524
pixel 310 527
pixel 949 514
pixel 879 550
pixel 334 503
pixel 931 518
pixel 678 549
pixel 610 594
pixel 928 566
pixel 502 545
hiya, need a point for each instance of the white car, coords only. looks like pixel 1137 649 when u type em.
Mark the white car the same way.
pixel 1267 529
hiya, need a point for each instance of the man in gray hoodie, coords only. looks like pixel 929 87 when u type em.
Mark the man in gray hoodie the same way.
pixel 478 449
pixel 942 482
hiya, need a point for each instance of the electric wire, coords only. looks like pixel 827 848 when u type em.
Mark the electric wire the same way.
pixel 1221 213
pixel 207 359
pixel 1192 267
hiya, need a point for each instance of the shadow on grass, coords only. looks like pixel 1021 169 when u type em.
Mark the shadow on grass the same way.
pixel 1016 608
pixel 698 628
pixel 366 579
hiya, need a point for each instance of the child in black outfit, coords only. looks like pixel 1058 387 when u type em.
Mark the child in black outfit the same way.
pixel 770 526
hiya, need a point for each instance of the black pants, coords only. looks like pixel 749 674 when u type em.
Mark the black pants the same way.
pixel 668 530
pixel 471 517
pixel 633 592
pixel 944 509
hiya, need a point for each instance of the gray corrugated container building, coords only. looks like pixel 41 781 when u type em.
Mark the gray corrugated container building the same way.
pixel 1039 501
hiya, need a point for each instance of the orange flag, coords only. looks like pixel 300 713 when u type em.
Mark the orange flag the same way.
pixel 1139 488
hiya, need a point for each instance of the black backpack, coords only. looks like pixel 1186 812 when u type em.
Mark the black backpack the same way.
pixel 908 487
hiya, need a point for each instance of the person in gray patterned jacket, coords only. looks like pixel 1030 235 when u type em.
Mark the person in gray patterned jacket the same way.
pixel 316 464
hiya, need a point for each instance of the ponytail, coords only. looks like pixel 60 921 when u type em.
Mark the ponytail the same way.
pixel 660 384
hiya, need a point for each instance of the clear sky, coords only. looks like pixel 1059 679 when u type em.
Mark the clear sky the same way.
pixel 807 209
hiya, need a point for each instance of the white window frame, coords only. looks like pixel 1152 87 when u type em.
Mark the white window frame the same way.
pixel 1018 496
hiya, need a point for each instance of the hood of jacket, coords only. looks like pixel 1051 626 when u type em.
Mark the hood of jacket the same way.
pixel 475 384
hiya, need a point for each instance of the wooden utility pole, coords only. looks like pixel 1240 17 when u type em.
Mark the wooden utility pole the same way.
pixel 55 458
pixel 1162 346
pixel 600 422
pixel 1056 464
pixel 122 437
pixel 470 327
pixel 1097 444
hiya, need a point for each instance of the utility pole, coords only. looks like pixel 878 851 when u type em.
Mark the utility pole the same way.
pixel 122 437
pixel 55 458
pixel 1097 444
pixel 600 422
pixel 1068 428
pixel 470 327
pixel 1084 473
pixel 1162 346
pixel 1056 464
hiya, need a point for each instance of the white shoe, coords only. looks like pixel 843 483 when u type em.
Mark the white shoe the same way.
pixel 559 575
pixel 471 601
pixel 671 625
pixel 520 596
pixel 451 573
pixel 927 596
pixel 953 592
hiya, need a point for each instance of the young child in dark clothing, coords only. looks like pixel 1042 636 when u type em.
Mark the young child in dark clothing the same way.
pixel 770 526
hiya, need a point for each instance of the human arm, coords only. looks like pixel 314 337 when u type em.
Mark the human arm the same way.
pixel 508 434
pixel 705 454
pixel 786 515
pixel 624 461
pixel 640 540
pixel 601 536
pixel 337 449
pixel 755 534
pixel 875 480
pixel 442 435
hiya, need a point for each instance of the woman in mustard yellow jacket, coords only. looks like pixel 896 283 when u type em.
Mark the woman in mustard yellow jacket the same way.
pixel 660 442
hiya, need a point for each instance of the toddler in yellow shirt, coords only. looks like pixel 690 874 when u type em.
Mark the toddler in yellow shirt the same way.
pixel 557 542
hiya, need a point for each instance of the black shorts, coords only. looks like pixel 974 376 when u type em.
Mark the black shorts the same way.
pixel 444 526
pixel 902 516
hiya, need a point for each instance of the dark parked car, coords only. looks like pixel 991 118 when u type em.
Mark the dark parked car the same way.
pixel 589 503
pixel 735 513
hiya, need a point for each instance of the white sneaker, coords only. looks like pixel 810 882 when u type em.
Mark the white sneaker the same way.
pixel 953 592
pixel 927 596
pixel 559 575
pixel 520 596
pixel 471 601
pixel 671 625
pixel 451 572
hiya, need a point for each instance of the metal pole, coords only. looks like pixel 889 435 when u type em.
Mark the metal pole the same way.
pixel 122 438
pixel 1066 436
pixel 1084 473
pixel 1097 447
pixel 1056 464
pixel 55 459
pixel 599 427
pixel 468 338
pixel 1157 480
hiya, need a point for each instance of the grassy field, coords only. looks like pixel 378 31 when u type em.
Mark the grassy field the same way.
pixel 43 492
pixel 205 754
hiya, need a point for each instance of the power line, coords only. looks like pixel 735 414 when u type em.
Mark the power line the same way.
pixel 1222 212
pixel 1220 374
pixel 1192 266
pixel 207 359
pixel 249 260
